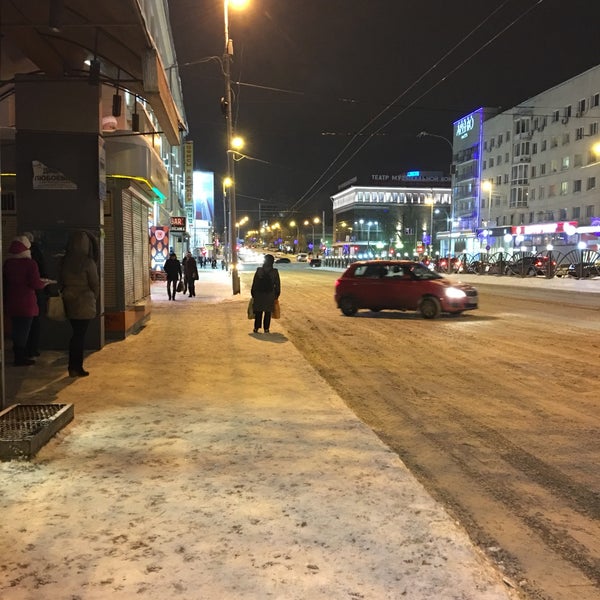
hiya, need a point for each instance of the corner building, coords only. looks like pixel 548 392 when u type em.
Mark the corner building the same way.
pixel 527 179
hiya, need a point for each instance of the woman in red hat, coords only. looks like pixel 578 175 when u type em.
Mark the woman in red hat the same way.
pixel 21 280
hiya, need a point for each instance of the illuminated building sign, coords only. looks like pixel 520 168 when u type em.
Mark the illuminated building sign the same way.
pixel 569 227
pixel 413 174
pixel 177 223
pixel 467 130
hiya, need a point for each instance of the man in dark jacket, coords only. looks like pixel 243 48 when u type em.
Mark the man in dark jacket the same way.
pixel 173 270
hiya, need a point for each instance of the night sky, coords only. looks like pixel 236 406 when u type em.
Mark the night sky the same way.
pixel 328 89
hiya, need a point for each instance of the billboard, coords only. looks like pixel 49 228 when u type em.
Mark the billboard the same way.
pixel 204 196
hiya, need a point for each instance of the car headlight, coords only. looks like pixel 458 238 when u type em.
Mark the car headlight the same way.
pixel 455 293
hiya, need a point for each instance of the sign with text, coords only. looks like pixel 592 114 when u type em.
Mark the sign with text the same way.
pixel 188 171
pixel 177 223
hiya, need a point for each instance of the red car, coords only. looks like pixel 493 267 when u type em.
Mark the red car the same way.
pixel 401 285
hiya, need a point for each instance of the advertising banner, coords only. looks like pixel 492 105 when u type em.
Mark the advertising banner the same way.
pixel 188 171
pixel 159 247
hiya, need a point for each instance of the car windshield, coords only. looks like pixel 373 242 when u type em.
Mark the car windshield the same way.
pixel 420 271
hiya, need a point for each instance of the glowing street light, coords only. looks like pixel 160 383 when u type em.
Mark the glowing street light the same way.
pixel 314 222
pixel 487 186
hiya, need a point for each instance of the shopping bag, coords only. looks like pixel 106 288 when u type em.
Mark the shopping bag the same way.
pixel 56 308
pixel 251 308
pixel 276 309
pixel 180 286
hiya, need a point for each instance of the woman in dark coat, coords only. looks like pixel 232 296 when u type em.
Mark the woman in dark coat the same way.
pixel 80 285
pixel 21 281
pixel 266 288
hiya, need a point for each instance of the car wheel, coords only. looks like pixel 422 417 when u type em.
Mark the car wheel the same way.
pixel 348 306
pixel 430 308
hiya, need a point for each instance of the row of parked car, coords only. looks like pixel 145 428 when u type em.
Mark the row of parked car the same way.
pixel 577 263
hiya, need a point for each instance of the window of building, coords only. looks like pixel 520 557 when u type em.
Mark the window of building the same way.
pixel 484 165
pixel 564 188
pixel 512 219
pixel 591 183
pixel 555 116
pixel 532 196
pixel 568 111
pixel 596 100
pixel 552 190
pixel 491 164
pixel 499 159
pixel 517 150
pixel 533 171
pixel 577 160
pixel 543 146
pixel 566 138
pixel 553 142
pixel 505 177
pixel 534 148
pixel 542 192
pixel 579 133
pixel 553 166
pixel 589 211
pixel 543 169
pixel 594 128
pixel 576 186
pixel 499 139
pixel 499 180
pixel 506 157
pixel 565 163
pixel 592 157
pixel 581 107
pixel 575 212
pixel 531 217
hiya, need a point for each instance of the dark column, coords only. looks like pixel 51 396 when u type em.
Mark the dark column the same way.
pixel 61 183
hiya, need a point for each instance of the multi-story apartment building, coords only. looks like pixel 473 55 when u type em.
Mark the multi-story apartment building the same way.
pixel 528 178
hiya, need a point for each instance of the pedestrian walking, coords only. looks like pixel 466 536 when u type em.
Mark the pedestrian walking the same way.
pixel 80 285
pixel 21 281
pixel 173 270
pixel 266 288
pixel 190 272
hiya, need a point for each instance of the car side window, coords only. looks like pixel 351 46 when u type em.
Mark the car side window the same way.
pixel 395 271
pixel 373 272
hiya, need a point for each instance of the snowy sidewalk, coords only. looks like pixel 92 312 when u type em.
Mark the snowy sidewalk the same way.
pixel 206 462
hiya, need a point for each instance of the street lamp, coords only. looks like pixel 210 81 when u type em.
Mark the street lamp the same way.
pixel 227 181
pixel 369 224
pixel 487 186
pixel 314 222
pixel 431 202
pixel 227 101
pixel 294 224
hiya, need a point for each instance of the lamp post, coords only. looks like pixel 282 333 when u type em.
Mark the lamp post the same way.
pixel 312 223
pixel 369 224
pixel 227 181
pixel 227 58
pixel 431 202
pixel 294 224
pixel 487 186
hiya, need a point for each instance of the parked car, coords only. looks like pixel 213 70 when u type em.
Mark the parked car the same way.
pixel 315 262
pixel 302 257
pixel 401 285
pixel 529 266
pixel 282 260
pixel 584 270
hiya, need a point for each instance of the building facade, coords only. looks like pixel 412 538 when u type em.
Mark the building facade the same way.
pixel 527 179
pixel 391 215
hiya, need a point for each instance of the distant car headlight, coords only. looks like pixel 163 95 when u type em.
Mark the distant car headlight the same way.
pixel 455 293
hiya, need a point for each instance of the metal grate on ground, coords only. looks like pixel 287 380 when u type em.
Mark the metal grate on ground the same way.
pixel 25 428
